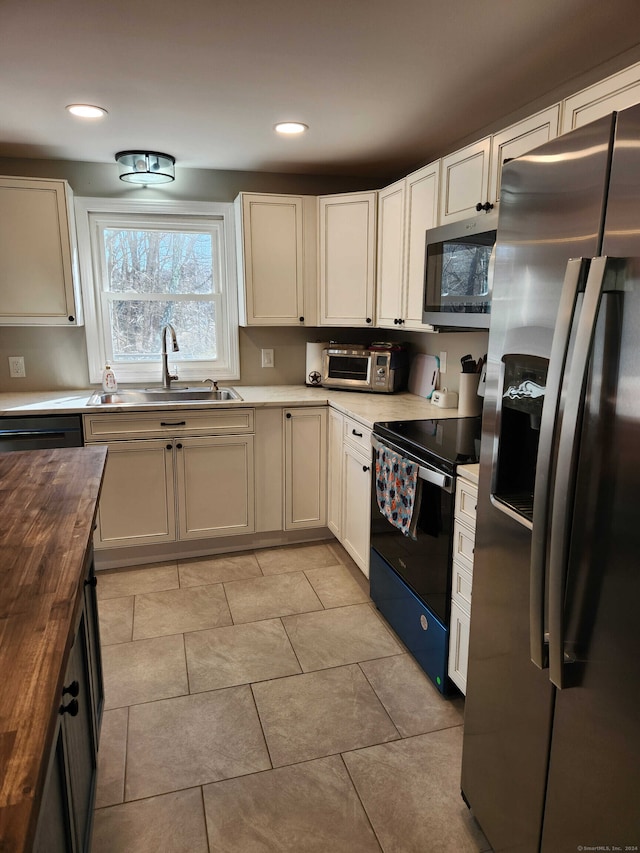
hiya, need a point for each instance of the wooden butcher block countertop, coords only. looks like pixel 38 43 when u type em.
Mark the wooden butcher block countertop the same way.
pixel 48 501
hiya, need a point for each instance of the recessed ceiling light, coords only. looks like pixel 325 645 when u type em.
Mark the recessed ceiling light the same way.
pixel 86 110
pixel 291 127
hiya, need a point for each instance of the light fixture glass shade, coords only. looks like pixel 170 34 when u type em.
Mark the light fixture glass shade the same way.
pixel 146 167
pixel 291 128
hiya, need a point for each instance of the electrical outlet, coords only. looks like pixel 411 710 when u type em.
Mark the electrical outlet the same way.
pixel 16 367
pixel 267 358
pixel 443 362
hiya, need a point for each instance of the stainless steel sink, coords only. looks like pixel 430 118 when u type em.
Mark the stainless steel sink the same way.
pixel 184 394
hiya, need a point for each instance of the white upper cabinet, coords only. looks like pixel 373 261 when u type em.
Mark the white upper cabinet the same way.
pixel 617 92
pixel 39 281
pixel 465 181
pixel 406 210
pixel 347 248
pixel 389 289
pixel 276 259
pixel 517 140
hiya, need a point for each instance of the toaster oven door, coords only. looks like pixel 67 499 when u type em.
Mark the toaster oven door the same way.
pixel 346 370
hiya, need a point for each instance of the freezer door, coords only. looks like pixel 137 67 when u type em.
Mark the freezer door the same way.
pixel 551 210
pixel 594 771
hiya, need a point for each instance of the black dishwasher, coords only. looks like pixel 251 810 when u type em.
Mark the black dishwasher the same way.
pixel 40 432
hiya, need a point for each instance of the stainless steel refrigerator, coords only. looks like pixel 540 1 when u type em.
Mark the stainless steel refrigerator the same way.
pixel 551 758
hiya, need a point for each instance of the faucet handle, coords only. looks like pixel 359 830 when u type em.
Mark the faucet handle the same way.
pixel 214 384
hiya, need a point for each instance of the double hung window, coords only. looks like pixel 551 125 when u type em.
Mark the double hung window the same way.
pixel 146 266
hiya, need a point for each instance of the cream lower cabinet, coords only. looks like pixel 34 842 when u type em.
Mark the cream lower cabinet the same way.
pixel 305 466
pixel 356 508
pixel 187 484
pixel 334 473
pixel 462 579
pixel 350 486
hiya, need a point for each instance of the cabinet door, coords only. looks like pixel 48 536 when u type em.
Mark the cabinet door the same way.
pixel 617 92
pixel 356 484
pixel 38 275
pixel 459 647
pixel 137 499
pixel 465 181
pixel 334 486
pixel 421 213
pixel 54 831
pixel 272 260
pixel 215 485
pixel 390 261
pixel 96 682
pixel 305 437
pixel 517 140
pixel 79 739
pixel 347 226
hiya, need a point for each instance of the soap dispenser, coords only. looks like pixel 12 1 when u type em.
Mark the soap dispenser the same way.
pixel 109 383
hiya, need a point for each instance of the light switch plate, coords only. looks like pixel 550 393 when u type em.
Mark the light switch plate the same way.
pixel 16 367
pixel 267 358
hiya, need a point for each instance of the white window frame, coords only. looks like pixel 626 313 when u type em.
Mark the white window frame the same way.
pixel 93 212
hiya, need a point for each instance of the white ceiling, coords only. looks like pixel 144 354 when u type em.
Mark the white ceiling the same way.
pixel 384 85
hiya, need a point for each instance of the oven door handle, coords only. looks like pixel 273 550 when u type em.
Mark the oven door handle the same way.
pixel 443 481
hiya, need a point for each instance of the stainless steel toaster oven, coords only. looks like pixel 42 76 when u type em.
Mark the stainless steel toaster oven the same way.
pixel 356 368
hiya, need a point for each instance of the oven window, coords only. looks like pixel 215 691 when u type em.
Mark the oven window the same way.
pixel 348 367
pixel 424 563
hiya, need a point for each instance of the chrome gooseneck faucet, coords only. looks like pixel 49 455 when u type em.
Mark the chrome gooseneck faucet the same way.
pixel 166 376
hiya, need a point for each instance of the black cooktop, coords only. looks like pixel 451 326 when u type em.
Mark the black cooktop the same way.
pixel 444 443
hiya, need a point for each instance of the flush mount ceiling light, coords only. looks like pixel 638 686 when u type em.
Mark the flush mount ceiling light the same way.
pixel 146 167
pixel 290 128
pixel 86 110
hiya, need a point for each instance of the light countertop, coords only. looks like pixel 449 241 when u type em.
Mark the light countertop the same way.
pixel 364 407
pixel 469 472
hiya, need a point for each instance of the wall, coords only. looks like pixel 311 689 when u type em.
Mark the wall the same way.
pixel 57 358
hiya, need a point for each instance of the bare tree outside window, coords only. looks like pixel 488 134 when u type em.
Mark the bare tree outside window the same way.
pixel 154 277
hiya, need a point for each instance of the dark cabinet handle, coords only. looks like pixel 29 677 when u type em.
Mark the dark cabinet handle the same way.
pixel 177 423
pixel 71 318
pixel 71 709
pixel 395 322
pixel 359 434
pixel 301 319
pixel 73 689
pixel 487 206
pixel 368 319
pixel 288 414
pixel 92 581
pixel 179 446
pixel 169 446
pixel 366 468
pixel 400 322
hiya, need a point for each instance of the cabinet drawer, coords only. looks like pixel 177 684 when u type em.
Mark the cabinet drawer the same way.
pixel 463 544
pixel 459 647
pixel 466 502
pixel 114 425
pixel 357 435
pixel 461 582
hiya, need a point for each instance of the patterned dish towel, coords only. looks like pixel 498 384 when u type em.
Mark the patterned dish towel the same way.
pixel 398 491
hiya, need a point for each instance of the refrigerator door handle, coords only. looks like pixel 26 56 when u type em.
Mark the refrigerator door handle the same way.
pixel 575 276
pixel 568 453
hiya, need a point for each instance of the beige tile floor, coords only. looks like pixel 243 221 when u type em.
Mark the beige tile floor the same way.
pixel 258 703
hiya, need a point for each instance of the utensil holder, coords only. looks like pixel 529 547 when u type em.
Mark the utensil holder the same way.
pixel 469 404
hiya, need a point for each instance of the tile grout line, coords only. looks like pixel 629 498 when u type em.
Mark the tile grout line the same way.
pixel 375 693
pixel 360 800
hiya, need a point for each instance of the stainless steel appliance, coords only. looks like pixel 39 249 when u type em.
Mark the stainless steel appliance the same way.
pixel 410 579
pixel 551 758
pixel 40 432
pixel 458 272
pixel 383 368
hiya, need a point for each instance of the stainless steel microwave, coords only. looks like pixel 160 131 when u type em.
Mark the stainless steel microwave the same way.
pixel 458 273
